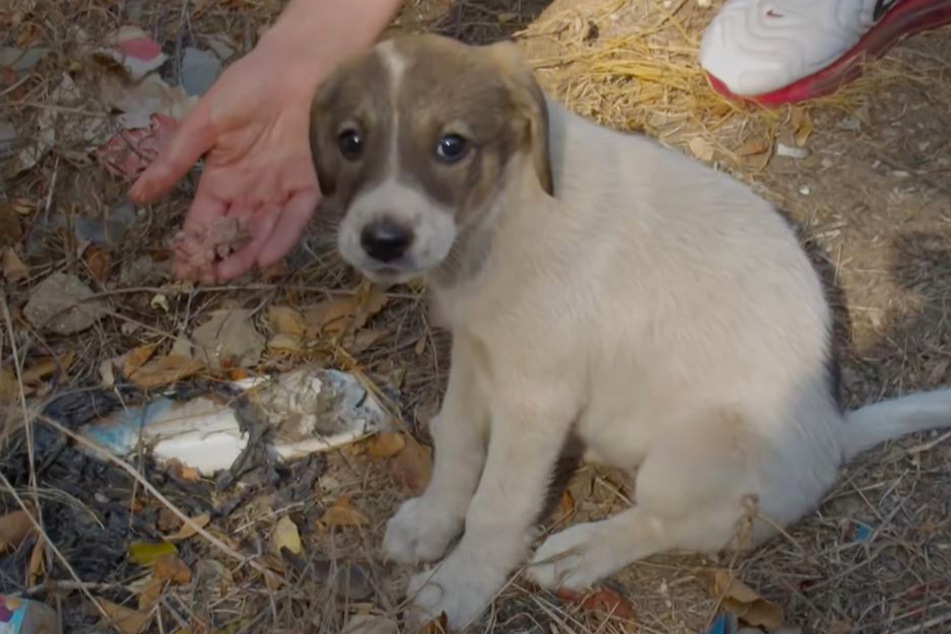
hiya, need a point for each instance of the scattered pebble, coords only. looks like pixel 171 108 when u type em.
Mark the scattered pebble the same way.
pixel 200 69
pixel 791 152
pixel 804 190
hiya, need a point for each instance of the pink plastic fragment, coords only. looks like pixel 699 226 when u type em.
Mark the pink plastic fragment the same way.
pixel 131 151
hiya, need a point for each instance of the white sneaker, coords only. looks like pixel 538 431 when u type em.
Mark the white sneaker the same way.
pixel 781 51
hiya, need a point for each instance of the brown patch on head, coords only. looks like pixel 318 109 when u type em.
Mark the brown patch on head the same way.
pixel 356 97
pixel 485 94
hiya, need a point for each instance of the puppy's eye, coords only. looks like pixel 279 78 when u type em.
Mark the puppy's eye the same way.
pixel 351 144
pixel 452 148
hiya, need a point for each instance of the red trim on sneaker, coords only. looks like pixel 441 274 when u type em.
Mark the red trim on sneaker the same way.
pixel 906 18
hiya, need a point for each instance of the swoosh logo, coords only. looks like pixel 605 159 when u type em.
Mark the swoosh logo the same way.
pixel 881 8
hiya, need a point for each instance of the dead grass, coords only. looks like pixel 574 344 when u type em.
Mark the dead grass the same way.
pixel 876 557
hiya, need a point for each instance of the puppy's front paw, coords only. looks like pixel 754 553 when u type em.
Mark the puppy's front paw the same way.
pixel 420 532
pixel 462 587
pixel 574 559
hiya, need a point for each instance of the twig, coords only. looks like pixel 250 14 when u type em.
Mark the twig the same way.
pixel 59 555
pixel 927 625
pixel 107 456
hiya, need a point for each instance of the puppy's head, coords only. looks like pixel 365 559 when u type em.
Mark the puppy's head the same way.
pixel 416 139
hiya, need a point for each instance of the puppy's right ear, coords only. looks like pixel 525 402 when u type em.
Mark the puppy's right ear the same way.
pixel 323 144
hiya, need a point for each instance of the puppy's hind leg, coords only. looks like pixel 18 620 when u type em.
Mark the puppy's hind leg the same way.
pixel 688 496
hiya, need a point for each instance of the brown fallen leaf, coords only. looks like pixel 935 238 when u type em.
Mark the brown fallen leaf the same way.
pixel 14 269
pixel 126 620
pixel 802 126
pixel 436 626
pixel 342 513
pixel 38 371
pixel 420 346
pixel 566 506
pixel 188 531
pixel 149 591
pixel 753 147
pixel 701 148
pixel 603 600
pixel 347 313
pixel 385 445
pixel 284 343
pixel 98 261
pixel 37 567
pixel 165 371
pixel 739 598
pixel 413 466
pixel 171 568
pixel 286 320
pixel 136 358
pixel 286 536
pixel 14 527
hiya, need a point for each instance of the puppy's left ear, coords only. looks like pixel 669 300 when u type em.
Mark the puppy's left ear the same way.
pixel 531 111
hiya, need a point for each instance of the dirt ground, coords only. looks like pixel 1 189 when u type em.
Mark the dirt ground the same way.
pixel 869 185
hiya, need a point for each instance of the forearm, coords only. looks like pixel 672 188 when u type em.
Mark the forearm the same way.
pixel 315 35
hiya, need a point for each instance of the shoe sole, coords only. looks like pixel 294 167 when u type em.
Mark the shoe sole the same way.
pixel 905 19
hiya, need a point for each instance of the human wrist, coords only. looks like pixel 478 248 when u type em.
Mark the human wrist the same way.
pixel 313 36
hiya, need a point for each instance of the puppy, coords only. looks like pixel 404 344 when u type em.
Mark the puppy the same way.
pixel 599 287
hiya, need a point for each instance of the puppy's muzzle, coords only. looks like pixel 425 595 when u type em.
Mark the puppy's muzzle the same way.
pixel 386 240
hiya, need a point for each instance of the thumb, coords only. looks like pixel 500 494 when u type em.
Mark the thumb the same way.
pixel 193 138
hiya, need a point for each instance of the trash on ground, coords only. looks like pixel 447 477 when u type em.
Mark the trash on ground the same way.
pixel 310 410
pixel 24 616
pixel 741 600
pixel 130 152
pixel 200 69
pixel 133 50
pixel 61 304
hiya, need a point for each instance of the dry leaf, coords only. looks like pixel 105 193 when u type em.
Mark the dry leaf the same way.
pixel 753 147
pixel 413 467
pixel 436 626
pixel 701 148
pixel 136 358
pixel 165 371
pixel 743 601
pixel 286 321
pixel 363 339
pixel 127 621
pixel 14 527
pixel 286 536
pixel 13 267
pixel 284 343
pixel 150 591
pixel 802 126
pixel 566 506
pixel 348 313
pixel 171 568
pixel 601 600
pixel 342 513
pixel 37 567
pixel 385 445
pixel 33 375
pixel 98 262
pixel 420 346
pixel 188 531
pixel 146 553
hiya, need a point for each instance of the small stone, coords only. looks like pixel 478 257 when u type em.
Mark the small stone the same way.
pixel 804 190
pixel 200 69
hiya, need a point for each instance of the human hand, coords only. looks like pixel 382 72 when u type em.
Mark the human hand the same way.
pixel 252 127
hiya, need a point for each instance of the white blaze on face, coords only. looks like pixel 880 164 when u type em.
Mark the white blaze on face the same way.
pixel 399 200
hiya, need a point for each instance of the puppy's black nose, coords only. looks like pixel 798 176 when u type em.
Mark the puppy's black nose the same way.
pixel 385 240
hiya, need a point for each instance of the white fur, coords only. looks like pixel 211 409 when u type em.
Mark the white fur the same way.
pixel 666 315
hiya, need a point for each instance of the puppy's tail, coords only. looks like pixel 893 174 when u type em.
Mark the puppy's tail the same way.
pixel 874 424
